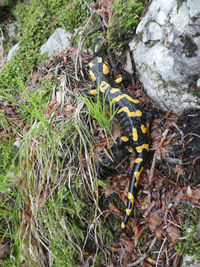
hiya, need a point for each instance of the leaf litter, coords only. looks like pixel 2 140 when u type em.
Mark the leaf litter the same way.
pixel 169 183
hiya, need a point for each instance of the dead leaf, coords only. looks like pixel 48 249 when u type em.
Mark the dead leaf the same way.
pixel 128 244
pixel 174 233
pixel 114 249
pixel 159 235
pixel 154 221
pixel 152 261
pixel 115 209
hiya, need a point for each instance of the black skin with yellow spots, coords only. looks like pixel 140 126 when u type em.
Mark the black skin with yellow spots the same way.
pixel 132 120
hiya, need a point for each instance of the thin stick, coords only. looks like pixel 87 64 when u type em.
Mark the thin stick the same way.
pixel 160 251
pixel 144 256
pixel 153 165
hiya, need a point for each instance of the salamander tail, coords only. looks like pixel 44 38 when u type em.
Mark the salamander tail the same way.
pixel 135 176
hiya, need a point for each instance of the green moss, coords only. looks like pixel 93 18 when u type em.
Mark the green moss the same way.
pixel 64 214
pixel 95 39
pixel 70 14
pixel 10 2
pixel 6 155
pixel 123 23
pixel 190 244
pixel 37 21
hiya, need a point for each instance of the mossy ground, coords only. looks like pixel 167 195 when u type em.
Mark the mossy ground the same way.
pixel 123 23
pixel 54 199
pixel 190 243
pixel 37 21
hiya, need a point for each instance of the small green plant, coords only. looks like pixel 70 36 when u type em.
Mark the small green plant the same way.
pixel 190 240
pixel 190 243
pixel 101 111
pixel 6 155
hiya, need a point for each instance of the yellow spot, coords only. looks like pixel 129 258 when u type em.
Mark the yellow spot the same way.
pixel 114 90
pixel 124 138
pixel 93 77
pixel 143 128
pixel 93 92
pixel 130 114
pixel 135 134
pixel 91 64
pixel 140 148
pixel 100 59
pixel 103 86
pixel 131 198
pixel 119 97
pixel 137 160
pixel 118 80
pixel 123 225
pixel 105 69
pixel 128 212
pixel 137 177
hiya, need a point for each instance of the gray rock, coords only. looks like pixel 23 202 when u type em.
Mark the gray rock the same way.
pixel 12 51
pixel 189 261
pixel 166 52
pixel 57 42
pixel 11 29
pixel 194 8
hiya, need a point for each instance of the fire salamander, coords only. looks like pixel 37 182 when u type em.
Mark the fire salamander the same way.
pixel 132 120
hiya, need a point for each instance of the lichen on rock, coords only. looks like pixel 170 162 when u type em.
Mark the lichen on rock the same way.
pixel 166 51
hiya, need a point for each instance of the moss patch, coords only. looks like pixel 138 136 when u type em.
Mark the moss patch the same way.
pixel 6 155
pixel 37 21
pixel 191 243
pixel 123 23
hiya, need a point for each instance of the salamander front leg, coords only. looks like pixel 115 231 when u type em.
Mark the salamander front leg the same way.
pixel 123 141
pixel 92 90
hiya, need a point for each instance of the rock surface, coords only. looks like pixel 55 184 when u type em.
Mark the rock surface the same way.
pixel 12 29
pixel 57 42
pixel 166 52
pixel 188 261
pixel 12 51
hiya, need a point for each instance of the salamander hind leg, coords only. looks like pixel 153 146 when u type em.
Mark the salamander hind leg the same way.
pixel 123 141
pixel 122 79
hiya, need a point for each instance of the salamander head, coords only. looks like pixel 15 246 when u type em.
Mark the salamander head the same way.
pixel 98 69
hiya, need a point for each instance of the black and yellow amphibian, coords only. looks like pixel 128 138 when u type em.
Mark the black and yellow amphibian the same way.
pixel 132 120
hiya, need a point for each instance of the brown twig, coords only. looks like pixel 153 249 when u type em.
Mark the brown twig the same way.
pixel 160 251
pixel 155 156
pixel 144 256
